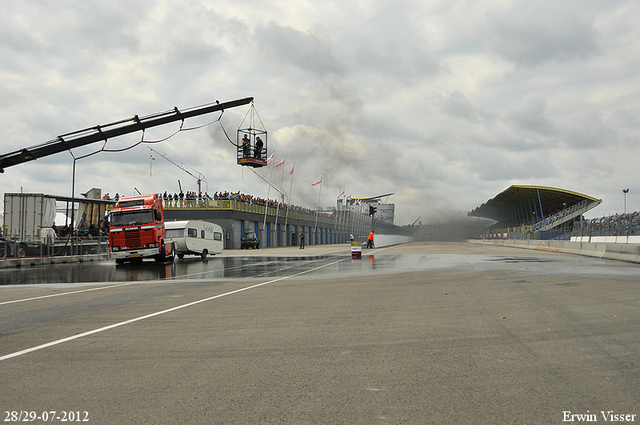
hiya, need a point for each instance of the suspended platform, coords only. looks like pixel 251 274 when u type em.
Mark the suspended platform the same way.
pixel 251 140
pixel 252 162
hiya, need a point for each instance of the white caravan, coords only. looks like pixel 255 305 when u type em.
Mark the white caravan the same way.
pixel 195 237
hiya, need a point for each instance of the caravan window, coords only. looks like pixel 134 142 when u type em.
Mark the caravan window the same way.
pixel 175 233
pixel 202 234
pixel 192 233
pixel 217 236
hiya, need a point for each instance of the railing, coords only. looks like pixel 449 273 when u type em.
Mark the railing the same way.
pixel 50 247
pixel 615 225
pixel 243 206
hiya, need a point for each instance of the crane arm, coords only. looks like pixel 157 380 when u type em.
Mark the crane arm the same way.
pixel 181 166
pixel 95 134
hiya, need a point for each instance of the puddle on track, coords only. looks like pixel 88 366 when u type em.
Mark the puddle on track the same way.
pixel 222 268
pixel 329 266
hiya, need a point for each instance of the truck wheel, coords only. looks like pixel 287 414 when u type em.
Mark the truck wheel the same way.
pixel 162 257
pixel 204 254
pixel 22 250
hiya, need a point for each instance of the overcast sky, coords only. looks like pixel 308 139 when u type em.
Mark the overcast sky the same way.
pixel 444 103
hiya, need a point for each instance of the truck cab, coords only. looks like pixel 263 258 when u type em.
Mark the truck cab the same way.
pixel 137 231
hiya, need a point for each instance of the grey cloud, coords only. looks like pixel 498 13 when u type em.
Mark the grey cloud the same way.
pixel 457 105
pixel 501 166
pixel 381 97
pixel 586 129
pixel 293 48
pixel 530 116
pixel 540 32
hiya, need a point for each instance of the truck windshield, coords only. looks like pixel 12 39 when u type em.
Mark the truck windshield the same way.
pixel 128 218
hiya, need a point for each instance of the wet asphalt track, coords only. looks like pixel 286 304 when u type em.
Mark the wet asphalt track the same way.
pixel 418 333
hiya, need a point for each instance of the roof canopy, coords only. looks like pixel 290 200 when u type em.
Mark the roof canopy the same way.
pixel 525 204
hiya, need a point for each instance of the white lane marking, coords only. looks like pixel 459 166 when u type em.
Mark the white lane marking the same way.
pixel 69 293
pixel 472 264
pixel 158 313
pixel 126 284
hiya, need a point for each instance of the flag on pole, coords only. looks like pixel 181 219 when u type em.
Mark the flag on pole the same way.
pixel 291 172
pixel 316 183
pixel 340 196
pixel 280 163
pixel 270 158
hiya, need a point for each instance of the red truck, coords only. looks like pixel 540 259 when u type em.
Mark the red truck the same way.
pixel 136 230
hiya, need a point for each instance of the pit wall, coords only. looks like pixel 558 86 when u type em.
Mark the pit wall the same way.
pixel 386 240
pixel 629 252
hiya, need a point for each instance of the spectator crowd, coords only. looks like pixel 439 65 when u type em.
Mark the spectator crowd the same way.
pixel 613 225
pixel 237 196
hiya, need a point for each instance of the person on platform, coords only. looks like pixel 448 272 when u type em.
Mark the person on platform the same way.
pixel 246 144
pixel 257 151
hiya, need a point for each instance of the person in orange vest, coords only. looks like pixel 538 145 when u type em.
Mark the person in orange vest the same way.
pixel 370 240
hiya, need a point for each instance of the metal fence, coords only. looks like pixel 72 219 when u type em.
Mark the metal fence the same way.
pixel 50 247
pixel 613 225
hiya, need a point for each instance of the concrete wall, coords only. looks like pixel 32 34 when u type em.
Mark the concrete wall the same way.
pixel 629 252
pixel 386 240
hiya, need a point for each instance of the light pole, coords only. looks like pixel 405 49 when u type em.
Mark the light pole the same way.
pixel 625 191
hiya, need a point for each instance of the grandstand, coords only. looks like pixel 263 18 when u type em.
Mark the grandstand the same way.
pixel 534 212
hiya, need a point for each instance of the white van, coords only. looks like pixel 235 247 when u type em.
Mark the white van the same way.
pixel 195 237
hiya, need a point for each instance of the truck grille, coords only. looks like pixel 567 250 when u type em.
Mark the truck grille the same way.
pixel 132 239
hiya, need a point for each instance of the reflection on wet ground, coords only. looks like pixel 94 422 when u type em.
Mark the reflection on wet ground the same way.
pixel 213 268
pixel 248 267
pixel 222 268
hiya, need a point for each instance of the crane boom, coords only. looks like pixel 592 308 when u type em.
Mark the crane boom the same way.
pixel 200 177
pixel 95 134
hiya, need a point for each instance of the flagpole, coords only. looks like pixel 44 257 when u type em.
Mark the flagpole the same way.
pixel 345 214
pixel 266 206
pixel 286 217
pixel 337 225
pixel 278 234
pixel 315 227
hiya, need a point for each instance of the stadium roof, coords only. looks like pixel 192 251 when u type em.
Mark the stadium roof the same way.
pixel 517 200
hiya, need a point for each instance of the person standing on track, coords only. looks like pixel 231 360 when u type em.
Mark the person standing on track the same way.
pixel 370 240
pixel 301 240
